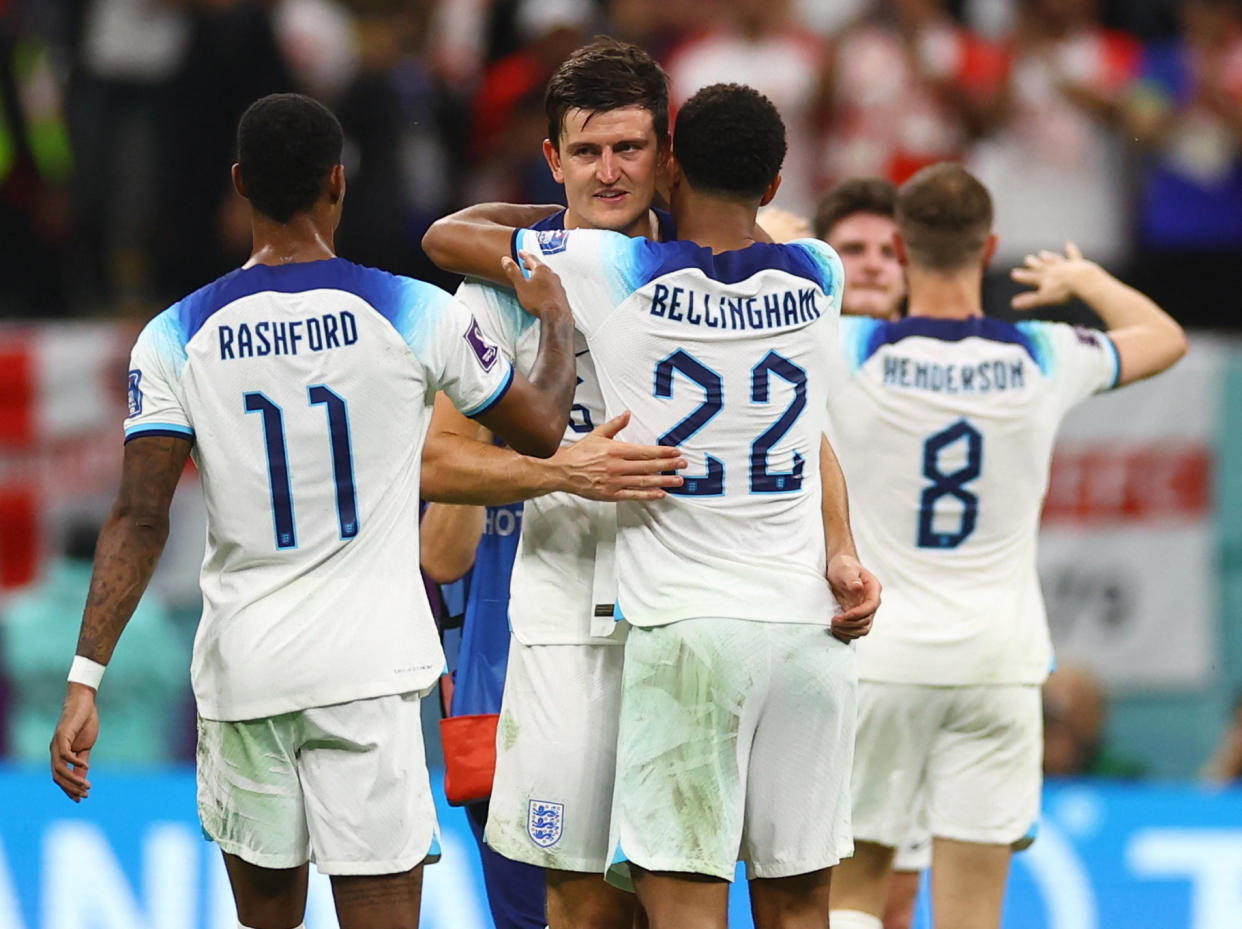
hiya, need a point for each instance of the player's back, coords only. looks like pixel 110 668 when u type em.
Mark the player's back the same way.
pixel 945 430
pixel 722 356
pixel 306 389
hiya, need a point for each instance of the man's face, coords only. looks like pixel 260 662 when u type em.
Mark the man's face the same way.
pixel 875 283
pixel 608 162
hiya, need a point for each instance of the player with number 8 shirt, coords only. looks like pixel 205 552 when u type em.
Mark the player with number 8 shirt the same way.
pixel 944 422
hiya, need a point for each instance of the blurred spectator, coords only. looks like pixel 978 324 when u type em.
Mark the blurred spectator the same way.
pixel 1053 157
pixel 909 87
pixel 658 26
pixel 757 42
pixel 128 53
pixel 398 166
pixel 40 627
pixel 316 39
pixel 232 60
pixel 34 170
pixel 508 116
pixel 1075 711
pixel 1225 765
pixel 1186 113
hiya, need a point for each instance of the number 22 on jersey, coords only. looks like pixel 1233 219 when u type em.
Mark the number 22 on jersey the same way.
pixel 278 461
pixel 762 480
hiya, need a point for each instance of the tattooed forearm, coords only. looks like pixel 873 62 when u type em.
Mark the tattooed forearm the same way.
pixel 131 541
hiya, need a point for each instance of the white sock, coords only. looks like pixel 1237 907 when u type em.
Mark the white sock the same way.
pixel 853 919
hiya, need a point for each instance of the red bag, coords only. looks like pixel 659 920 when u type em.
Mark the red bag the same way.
pixel 469 756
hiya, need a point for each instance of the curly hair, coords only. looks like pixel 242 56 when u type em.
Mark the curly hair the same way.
pixel 287 144
pixel 729 140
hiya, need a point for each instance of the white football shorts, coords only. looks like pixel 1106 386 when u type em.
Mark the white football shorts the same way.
pixel 736 743
pixel 344 786
pixel 968 757
pixel 556 751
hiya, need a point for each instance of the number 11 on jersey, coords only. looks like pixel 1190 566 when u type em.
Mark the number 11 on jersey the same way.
pixel 278 462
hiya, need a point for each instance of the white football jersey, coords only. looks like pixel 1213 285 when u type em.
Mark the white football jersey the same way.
pixel 558 574
pixel 564 579
pixel 722 356
pixel 945 430
pixel 307 389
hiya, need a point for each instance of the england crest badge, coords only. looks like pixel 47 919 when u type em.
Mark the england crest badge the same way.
pixel 544 820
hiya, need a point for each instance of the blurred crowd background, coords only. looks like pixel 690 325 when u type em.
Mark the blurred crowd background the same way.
pixel 1113 123
pixel 1117 123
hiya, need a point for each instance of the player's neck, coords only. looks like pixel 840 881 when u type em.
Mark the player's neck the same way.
pixel 944 296
pixel 648 225
pixel 306 237
pixel 713 222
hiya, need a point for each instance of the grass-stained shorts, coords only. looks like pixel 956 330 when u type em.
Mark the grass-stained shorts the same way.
pixel 344 786
pixel 736 743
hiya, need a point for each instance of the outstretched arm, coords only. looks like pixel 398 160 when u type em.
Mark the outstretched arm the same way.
pixel 857 590
pixel 125 556
pixel 1148 339
pixel 458 468
pixel 472 241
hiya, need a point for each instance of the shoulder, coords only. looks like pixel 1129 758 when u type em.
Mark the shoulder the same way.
pixel 1051 343
pixel 818 260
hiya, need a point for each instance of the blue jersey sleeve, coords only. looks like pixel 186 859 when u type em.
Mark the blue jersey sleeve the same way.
pixel 156 399
pixel 1078 362
pixel 598 269
pixel 459 357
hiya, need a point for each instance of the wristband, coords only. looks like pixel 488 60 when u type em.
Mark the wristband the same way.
pixel 85 671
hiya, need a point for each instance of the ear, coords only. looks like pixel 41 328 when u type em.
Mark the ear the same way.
pixel 771 191
pixel 989 250
pixel 336 184
pixel 672 171
pixel 238 184
pixel 552 155
pixel 899 249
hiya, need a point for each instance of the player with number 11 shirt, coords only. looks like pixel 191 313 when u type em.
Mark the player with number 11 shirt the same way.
pixel 302 384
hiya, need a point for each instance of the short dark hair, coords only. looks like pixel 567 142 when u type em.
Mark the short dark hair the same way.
pixel 944 215
pixel 287 145
pixel 607 75
pixel 729 140
pixel 874 195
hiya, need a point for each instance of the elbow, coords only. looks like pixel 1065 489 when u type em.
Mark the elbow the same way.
pixel 434 246
pixel 136 521
pixel 1181 345
pixel 541 445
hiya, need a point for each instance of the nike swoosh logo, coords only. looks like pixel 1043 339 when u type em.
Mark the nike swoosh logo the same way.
pixel 581 353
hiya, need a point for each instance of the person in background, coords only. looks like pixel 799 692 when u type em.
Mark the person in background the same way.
pixel 1051 150
pixel 907 87
pixel 858 219
pixel 944 425
pixel 1225 765
pixel 39 627
pixel 1075 713
pixel 479 544
pixel 1185 111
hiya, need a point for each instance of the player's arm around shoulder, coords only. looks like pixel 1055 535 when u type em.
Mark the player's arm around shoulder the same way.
pixel 459 468
pixel 1147 339
pixel 472 241
pixel 129 546
pixel 532 414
